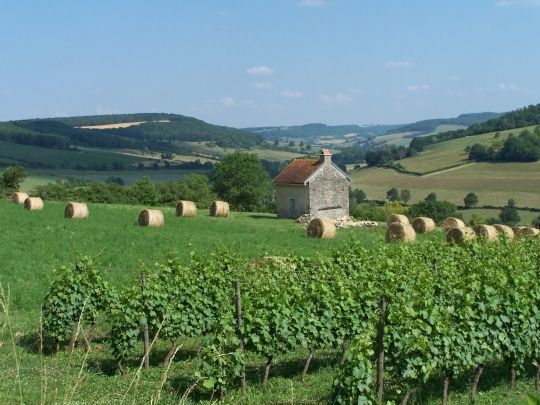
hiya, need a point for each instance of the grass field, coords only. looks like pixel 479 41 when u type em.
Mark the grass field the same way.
pixel 526 216
pixel 450 153
pixel 494 183
pixel 39 241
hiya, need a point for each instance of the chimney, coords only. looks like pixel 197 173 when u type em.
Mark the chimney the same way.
pixel 326 156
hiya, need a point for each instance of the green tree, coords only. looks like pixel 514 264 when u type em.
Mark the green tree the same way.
pixel 509 214
pixel 240 179
pixel 431 197
pixel 470 200
pixel 357 196
pixel 291 144
pixel 144 192
pixel 405 195
pixel 276 143
pixel 392 194
pixel 438 210
pixel 11 179
pixel 536 222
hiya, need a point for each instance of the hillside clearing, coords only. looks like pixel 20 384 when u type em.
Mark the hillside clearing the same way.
pixel 118 125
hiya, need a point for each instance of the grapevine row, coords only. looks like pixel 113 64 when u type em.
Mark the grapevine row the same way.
pixel 416 311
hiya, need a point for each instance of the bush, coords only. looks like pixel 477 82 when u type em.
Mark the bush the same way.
pixel 437 210
pixel 11 179
pixel 369 211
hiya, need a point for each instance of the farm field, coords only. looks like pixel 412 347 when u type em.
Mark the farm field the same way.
pixel 451 153
pixel 11 153
pixel 37 242
pixel 38 177
pixel 494 183
pixel 216 151
pixel 403 139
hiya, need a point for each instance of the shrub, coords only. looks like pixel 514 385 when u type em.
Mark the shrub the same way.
pixel 437 210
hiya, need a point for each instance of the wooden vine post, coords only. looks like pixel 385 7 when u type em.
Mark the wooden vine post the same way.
pixel 380 349
pixel 146 335
pixel 476 381
pixel 240 327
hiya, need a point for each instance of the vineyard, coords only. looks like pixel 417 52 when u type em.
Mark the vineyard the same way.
pixel 399 315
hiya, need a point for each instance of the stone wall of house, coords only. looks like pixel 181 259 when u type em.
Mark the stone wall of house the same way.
pixel 329 193
pixel 285 193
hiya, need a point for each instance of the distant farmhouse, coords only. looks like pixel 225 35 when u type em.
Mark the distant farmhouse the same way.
pixel 315 187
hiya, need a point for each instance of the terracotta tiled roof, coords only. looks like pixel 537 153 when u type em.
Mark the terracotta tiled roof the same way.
pixel 297 172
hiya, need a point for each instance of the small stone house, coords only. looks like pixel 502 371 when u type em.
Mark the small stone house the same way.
pixel 312 186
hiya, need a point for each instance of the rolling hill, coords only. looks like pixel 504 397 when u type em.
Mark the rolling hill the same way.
pixel 447 171
pixel 429 126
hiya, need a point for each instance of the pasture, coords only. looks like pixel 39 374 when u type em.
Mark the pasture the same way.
pixel 34 243
pixel 494 183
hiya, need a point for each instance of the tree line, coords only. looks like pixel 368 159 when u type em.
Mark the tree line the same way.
pixel 522 148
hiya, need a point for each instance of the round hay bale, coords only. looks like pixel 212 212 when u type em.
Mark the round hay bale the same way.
pixel 517 229
pixel 186 209
pixel 18 197
pixel 321 228
pixel 75 210
pixel 423 225
pixel 460 235
pixel 527 232
pixel 397 232
pixel 33 203
pixel 219 209
pixel 451 222
pixel 504 230
pixel 149 217
pixel 397 219
pixel 486 232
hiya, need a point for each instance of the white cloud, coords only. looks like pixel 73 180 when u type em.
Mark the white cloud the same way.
pixel 418 87
pixel 259 70
pixel 248 103
pixel 338 98
pixel 227 102
pixel 312 3
pixel 507 87
pixel 262 85
pixel 454 78
pixel 526 3
pixel 399 64
pixel 291 94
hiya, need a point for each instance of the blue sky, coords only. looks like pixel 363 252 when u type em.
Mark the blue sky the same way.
pixel 269 62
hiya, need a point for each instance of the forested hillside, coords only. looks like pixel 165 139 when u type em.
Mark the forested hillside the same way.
pixel 520 118
pixel 427 126
pixel 157 131
pixel 309 131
